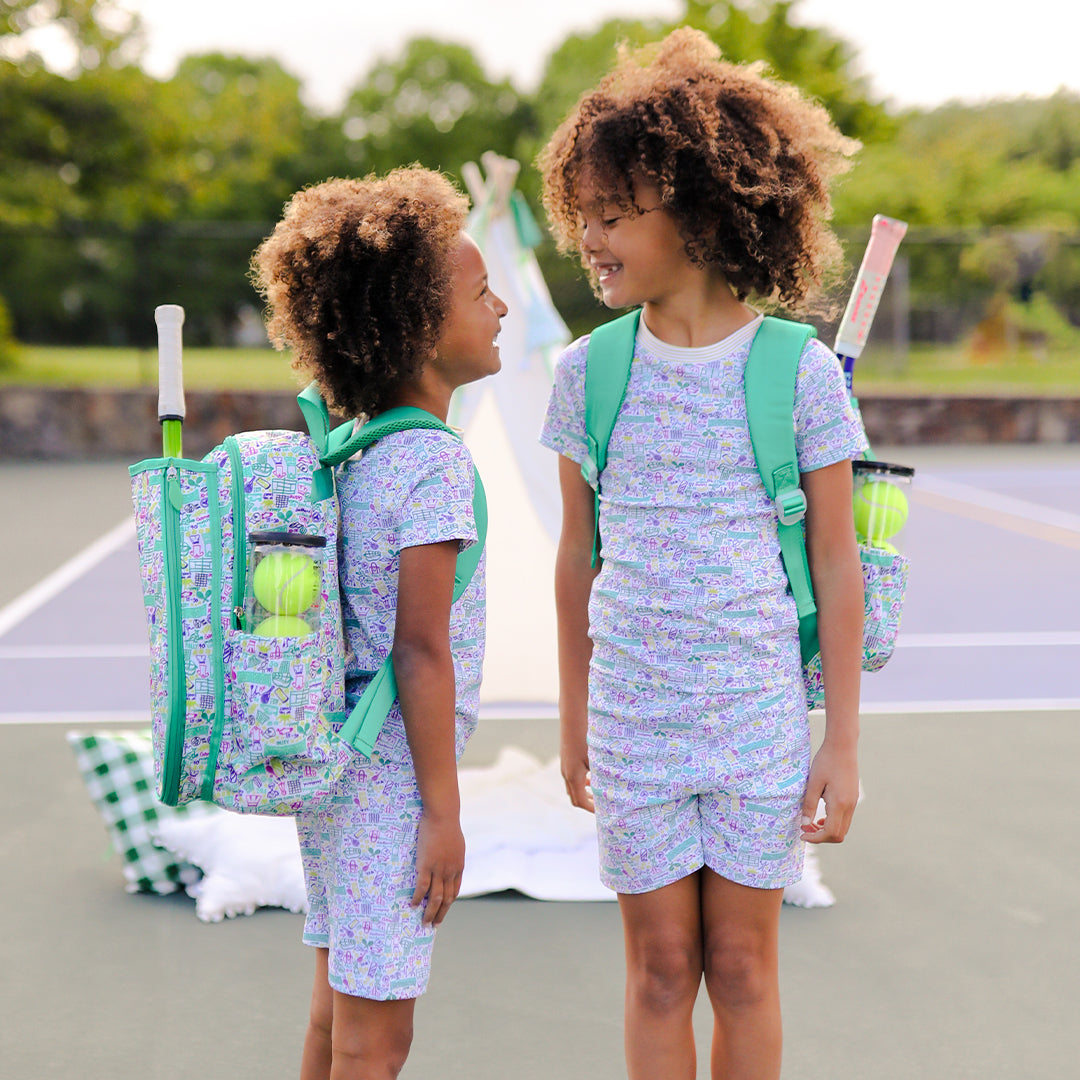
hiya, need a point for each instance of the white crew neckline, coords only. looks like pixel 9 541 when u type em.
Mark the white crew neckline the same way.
pixel 702 354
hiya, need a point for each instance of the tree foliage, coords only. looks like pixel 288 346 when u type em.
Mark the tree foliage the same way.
pixel 119 191
pixel 91 33
pixel 433 105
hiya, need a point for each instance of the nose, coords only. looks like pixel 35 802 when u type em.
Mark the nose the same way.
pixel 593 236
pixel 500 305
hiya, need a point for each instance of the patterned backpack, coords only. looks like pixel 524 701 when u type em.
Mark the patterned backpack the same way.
pixel 770 374
pixel 248 704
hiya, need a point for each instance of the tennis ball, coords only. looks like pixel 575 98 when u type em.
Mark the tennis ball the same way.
pixel 283 626
pixel 880 510
pixel 286 583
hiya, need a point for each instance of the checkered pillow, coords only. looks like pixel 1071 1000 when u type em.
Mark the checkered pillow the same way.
pixel 118 770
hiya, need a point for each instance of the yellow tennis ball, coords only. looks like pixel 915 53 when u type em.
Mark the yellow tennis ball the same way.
pixel 880 510
pixel 283 626
pixel 286 583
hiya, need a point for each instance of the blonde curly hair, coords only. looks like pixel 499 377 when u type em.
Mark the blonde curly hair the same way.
pixel 742 163
pixel 356 278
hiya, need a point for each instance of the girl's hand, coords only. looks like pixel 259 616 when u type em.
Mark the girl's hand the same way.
pixel 575 772
pixel 440 860
pixel 834 777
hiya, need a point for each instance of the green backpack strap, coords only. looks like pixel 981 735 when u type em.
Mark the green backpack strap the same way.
pixel 770 404
pixel 607 374
pixel 336 445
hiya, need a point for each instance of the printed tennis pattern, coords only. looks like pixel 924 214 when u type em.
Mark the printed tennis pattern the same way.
pixel 695 686
pixel 885 577
pixel 253 732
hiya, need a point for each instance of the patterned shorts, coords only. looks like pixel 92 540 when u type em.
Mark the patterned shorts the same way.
pixel 359 855
pixel 722 791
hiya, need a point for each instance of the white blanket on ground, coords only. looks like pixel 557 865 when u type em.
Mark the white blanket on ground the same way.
pixel 520 833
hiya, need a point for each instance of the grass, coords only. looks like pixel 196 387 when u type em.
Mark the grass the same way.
pixel 951 370
pixel 926 369
pixel 204 369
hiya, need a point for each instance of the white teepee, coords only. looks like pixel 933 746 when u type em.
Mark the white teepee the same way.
pixel 502 417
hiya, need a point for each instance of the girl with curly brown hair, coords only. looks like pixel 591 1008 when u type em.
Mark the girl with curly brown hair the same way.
pixel 689 186
pixel 384 301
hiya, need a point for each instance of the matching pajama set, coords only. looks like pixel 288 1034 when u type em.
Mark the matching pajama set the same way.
pixel 698 736
pixel 411 488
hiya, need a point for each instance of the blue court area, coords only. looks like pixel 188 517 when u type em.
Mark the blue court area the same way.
pixel 992 618
pixel 952 949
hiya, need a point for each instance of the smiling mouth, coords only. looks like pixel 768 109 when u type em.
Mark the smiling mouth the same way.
pixel 605 271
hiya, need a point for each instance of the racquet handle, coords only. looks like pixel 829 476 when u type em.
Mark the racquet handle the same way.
pixel 170 322
pixel 885 236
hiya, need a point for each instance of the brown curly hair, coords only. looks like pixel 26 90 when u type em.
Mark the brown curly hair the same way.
pixel 356 278
pixel 741 162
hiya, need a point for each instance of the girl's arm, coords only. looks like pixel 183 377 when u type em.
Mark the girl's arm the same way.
pixel 573 584
pixel 424 669
pixel 838 590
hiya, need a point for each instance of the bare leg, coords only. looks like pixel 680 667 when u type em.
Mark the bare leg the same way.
pixel 315 1064
pixel 662 933
pixel 371 1039
pixel 741 931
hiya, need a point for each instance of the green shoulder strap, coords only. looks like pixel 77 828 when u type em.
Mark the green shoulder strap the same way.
pixel 607 373
pixel 770 403
pixel 369 714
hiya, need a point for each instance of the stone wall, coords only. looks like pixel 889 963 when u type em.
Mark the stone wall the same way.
pixel 82 424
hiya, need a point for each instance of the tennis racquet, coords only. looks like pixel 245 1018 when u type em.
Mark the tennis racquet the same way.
pixel 885 236
pixel 171 409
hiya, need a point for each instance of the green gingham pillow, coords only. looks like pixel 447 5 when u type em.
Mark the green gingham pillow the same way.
pixel 118 770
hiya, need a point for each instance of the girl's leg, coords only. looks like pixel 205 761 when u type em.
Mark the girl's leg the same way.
pixel 740 926
pixel 371 1039
pixel 662 932
pixel 315 1064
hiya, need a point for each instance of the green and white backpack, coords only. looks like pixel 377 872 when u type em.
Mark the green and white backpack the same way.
pixel 247 666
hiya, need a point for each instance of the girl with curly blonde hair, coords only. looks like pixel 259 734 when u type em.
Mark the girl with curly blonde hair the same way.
pixel 689 187
pixel 384 301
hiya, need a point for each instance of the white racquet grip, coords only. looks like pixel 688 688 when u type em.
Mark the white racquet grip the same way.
pixel 170 322
pixel 885 236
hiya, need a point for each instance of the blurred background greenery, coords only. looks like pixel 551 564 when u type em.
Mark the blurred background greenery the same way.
pixel 119 191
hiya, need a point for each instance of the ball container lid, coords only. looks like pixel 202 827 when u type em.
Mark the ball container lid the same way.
pixel 287 538
pixel 882 468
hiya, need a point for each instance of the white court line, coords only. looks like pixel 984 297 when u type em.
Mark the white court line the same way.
pixel 73 652
pixel 510 713
pixel 41 593
pixel 988 640
pixel 973 705
pixel 1002 504
pixel 136 718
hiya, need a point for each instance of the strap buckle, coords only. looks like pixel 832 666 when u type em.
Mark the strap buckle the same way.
pixel 790 505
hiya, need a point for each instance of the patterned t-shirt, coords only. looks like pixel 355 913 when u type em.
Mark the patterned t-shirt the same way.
pixel 691 607
pixel 411 488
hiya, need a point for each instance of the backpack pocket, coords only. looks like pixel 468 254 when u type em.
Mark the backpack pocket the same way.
pixel 179 532
pixel 279 694
pixel 885 575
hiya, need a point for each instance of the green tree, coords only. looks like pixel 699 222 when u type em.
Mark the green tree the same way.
pixel 434 105
pixel 810 57
pixel 89 33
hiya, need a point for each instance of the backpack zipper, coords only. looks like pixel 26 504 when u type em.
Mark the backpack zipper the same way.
pixel 177 682
pixel 239 514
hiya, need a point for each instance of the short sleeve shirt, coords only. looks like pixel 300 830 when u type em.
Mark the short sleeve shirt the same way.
pixel 409 489
pixel 691 606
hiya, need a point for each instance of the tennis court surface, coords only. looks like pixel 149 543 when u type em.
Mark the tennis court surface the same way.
pixel 953 949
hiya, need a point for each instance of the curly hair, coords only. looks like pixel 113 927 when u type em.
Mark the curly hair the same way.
pixel 356 277
pixel 742 163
